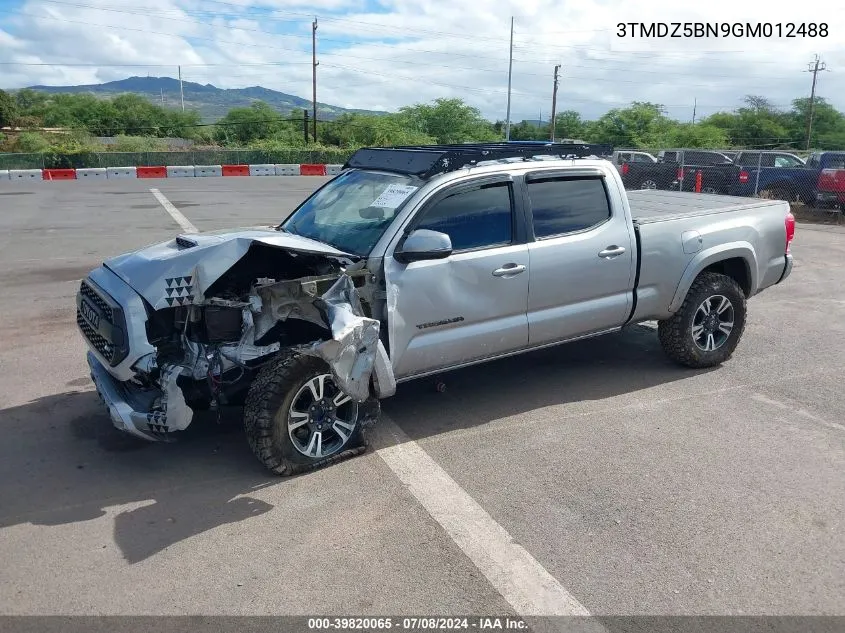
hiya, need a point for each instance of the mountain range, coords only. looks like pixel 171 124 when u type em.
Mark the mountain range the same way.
pixel 212 102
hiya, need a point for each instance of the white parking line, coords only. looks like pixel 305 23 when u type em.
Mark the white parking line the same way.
pixel 509 567
pixel 175 213
pixel 513 572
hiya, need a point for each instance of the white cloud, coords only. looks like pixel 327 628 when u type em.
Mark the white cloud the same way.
pixel 422 49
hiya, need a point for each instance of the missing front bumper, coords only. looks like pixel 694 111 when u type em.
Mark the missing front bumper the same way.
pixel 138 411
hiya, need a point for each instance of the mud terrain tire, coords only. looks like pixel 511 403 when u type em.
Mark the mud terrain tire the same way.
pixel 266 417
pixel 677 333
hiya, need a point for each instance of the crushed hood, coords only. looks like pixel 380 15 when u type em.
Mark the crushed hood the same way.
pixel 178 271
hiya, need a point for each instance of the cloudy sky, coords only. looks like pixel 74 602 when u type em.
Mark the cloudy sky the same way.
pixel 382 54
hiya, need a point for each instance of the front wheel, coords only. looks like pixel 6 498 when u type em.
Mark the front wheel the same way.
pixel 297 419
pixel 705 331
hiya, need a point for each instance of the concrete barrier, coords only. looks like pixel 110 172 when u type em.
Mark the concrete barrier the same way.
pixel 58 174
pixel 180 171
pixel 26 174
pixel 151 172
pixel 287 170
pixel 121 172
pixel 236 170
pixel 204 171
pixel 262 170
pixel 312 170
pixel 92 173
pixel 4 174
pixel 333 170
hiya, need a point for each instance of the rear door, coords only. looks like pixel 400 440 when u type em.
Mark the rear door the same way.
pixel 471 305
pixel 582 259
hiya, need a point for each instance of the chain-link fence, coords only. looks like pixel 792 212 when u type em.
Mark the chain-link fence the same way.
pixel 815 180
pixel 49 160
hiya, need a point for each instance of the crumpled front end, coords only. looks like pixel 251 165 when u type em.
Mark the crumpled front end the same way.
pixel 154 367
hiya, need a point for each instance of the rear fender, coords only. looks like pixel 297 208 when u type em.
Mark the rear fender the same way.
pixel 711 256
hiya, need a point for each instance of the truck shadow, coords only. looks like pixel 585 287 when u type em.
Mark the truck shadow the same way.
pixel 589 370
pixel 61 461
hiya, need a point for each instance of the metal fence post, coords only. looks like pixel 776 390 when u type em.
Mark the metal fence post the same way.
pixel 757 178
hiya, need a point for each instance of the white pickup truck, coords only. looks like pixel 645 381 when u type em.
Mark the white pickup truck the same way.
pixel 415 261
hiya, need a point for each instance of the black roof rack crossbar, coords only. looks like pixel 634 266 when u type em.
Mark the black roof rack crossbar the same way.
pixel 425 161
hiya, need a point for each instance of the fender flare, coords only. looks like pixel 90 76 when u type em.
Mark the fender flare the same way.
pixel 705 258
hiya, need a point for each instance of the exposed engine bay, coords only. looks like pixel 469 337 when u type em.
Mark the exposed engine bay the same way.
pixel 211 339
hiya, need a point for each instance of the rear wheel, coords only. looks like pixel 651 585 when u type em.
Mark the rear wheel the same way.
pixel 705 331
pixel 297 419
pixel 776 193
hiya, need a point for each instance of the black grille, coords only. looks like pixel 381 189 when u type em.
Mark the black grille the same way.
pixel 105 348
pixel 106 334
pixel 90 294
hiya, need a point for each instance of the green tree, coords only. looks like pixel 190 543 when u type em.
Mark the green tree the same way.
pixel 568 124
pixel 828 130
pixel 629 127
pixel 757 125
pixel 525 131
pixel 244 125
pixel 448 121
pixel 8 109
pixel 687 135
pixel 29 99
pixel 357 130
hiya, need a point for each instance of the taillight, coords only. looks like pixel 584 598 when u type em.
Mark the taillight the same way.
pixel 680 174
pixel 743 176
pixel 789 222
pixel 625 169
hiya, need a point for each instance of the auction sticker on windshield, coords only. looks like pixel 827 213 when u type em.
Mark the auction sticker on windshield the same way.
pixel 393 196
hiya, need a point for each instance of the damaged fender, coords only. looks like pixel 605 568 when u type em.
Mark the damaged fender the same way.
pixel 351 352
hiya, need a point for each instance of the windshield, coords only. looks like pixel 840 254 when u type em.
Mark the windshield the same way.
pixel 353 210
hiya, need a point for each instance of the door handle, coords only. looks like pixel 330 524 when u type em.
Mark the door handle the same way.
pixel 611 252
pixel 508 270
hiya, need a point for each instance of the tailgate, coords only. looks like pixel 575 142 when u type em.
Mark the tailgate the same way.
pixel 832 180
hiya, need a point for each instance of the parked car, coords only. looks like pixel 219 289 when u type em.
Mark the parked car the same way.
pixel 620 157
pixel 676 170
pixel 414 261
pixel 830 186
pixel 774 174
pixel 783 176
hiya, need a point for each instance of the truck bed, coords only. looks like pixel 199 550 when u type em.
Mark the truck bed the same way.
pixel 649 206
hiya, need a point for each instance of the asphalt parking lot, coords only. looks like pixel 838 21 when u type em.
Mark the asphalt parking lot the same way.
pixel 638 486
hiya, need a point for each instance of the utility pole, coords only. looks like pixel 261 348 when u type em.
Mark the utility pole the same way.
pixel 314 63
pixel 554 105
pixel 181 92
pixel 305 124
pixel 694 107
pixel 510 74
pixel 813 67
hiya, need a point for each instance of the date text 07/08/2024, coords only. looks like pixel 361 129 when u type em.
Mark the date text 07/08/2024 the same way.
pixel 417 623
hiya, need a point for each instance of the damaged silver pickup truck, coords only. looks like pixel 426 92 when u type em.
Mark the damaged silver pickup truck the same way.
pixel 411 262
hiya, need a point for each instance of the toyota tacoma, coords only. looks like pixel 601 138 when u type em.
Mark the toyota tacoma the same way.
pixel 411 262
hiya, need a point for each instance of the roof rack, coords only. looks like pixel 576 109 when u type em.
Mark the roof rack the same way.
pixel 425 161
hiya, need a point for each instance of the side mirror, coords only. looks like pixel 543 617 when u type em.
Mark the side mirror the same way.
pixel 424 244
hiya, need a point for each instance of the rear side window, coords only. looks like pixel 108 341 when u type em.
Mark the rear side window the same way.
pixel 704 158
pixel 813 161
pixel 564 205
pixel 836 161
pixel 475 218
pixel 669 157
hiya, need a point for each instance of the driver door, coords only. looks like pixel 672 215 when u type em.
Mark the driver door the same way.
pixel 472 304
